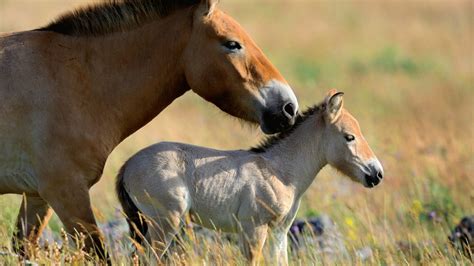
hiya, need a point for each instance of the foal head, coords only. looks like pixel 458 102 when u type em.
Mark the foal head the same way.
pixel 225 66
pixel 345 147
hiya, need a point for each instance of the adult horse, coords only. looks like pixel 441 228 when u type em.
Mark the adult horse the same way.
pixel 72 91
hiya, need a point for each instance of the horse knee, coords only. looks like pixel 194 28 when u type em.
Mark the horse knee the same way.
pixel 82 229
pixel 74 209
pixel 33 216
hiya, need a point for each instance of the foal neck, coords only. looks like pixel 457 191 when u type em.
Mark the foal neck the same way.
pixel 299 156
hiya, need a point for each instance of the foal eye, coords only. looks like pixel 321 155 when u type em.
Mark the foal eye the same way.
pixel 349 137
pixel 232 45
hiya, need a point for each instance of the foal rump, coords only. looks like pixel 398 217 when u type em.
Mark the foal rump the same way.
pixel 136 223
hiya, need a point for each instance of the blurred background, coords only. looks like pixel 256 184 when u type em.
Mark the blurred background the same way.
pixel 406 68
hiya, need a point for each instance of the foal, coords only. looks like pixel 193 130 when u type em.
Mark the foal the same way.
pixel 254 192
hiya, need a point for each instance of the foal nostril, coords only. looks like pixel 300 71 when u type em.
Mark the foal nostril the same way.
pixel 289 110
pixel 379 175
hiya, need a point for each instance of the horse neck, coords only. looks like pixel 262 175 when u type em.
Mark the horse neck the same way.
pixel 138 73
pixel 300 156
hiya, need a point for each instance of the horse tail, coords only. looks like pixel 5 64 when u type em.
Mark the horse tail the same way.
pixel 138 226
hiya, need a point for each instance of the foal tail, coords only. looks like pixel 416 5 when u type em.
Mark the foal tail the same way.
pixel 137 225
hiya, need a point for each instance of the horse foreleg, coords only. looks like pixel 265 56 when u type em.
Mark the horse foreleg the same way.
pixel 252 240
pixel 73 207
pixel 32 218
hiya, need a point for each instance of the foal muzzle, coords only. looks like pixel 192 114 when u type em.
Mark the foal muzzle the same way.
pixel 376 174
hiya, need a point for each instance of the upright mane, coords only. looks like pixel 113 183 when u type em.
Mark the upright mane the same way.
pixel 114 16
pixel 274 139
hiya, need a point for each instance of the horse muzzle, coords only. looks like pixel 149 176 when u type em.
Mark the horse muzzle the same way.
pixel 275 122
pixel 280 107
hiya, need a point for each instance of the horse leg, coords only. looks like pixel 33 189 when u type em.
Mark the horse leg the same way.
pixel 32 218
pixel 252 239
pixel 72 204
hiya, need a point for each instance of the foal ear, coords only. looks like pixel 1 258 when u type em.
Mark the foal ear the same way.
pixel 208 6
pixel 333 105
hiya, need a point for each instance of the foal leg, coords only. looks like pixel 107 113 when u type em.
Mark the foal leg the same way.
pixel 162 231
pixel 252 240
pixel 32 219
pixel 278 247
pixel 72 205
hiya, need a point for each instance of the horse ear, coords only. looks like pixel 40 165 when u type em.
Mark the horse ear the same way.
pixel 208 6
pixel 333 105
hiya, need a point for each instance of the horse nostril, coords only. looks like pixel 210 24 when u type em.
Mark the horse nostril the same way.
pixel 289 110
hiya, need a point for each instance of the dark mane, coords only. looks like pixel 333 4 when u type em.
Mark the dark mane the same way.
pixel 273 140
pixel 114 15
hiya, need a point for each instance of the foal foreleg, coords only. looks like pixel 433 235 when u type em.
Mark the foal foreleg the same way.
pixel 279 247
pixel 252 239
pixel 32 218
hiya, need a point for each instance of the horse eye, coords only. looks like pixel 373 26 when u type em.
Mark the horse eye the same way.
pixel 232 45
pixel 349 137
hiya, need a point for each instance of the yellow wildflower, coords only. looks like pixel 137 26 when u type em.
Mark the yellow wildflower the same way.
pixel 349 222
pixel 416 208
pixel 351 229
pixel 352 235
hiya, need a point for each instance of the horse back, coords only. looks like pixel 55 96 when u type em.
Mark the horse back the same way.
pixel 41 111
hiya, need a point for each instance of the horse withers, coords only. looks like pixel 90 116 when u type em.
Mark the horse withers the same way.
pixel 70 92
pixel 252 192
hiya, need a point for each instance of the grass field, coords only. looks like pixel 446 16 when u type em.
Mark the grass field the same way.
pixel 408 73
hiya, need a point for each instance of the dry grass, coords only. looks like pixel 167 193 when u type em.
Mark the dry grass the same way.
pixel 407 70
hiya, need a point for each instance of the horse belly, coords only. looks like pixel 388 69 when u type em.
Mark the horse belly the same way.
pixel 17 128
pixel 17 174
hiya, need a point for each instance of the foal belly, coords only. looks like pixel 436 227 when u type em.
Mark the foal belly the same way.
pixel 216 215
pixel 217 185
